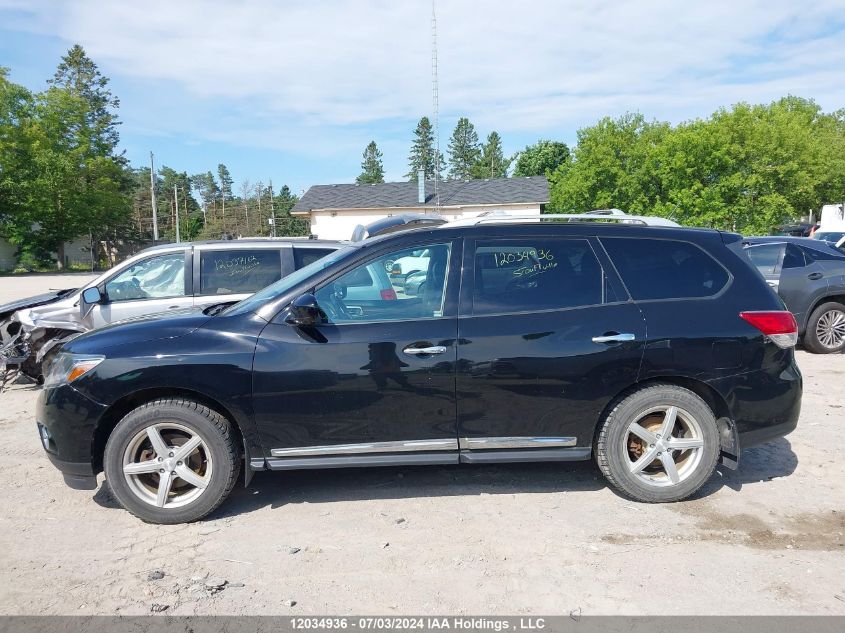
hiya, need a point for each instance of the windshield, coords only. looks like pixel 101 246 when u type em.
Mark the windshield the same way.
pixel 253 302
pixel 829 236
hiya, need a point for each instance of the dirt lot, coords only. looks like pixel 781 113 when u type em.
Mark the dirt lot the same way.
pixel 514 539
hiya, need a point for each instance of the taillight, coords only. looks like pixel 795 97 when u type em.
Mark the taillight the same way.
pixel 778 325
pixel 388 295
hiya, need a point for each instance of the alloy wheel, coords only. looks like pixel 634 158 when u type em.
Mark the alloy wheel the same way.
pixel 830 329
pixel 167 465
pixel 663 446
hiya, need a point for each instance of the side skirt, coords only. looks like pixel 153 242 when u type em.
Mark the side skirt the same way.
pixel 571 454
pixel 424 459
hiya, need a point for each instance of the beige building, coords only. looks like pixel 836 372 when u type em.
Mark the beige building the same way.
pixel 335 210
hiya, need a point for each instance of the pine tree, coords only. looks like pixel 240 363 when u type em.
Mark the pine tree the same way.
pixel 463 150
pixel 225 181
pixel 492 162
pixel 423 155
pixel 372 169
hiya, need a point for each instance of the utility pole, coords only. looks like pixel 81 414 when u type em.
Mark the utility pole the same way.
pixel 153 197
pixel 272 210
pixel 176 209
pixel 435 102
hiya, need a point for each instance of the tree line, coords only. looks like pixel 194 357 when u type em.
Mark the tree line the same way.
pixel 746 168
pixel 63 177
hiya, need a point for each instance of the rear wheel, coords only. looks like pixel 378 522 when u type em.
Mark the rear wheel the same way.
pixel 171 461
pixel 659 444
pixel 826 329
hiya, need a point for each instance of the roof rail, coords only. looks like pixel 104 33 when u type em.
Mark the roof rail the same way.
pixel 603 216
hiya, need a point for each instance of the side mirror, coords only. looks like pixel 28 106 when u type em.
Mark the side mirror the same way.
pixel 304 311
pixel 90 298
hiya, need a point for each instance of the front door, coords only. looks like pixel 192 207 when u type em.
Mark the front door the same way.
pixel 154 285
pixel 374 383
pixel 547 338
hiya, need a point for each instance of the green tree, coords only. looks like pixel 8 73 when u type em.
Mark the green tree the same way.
pixel 372 169
pixel 492 162
pixel 77 184
pixel 423 154
pixel 226 181
pixel 464 151
pixel 540 159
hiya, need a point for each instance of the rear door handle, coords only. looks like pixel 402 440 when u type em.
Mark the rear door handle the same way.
pixel 424 351
pixel 815 276
pixel 614 338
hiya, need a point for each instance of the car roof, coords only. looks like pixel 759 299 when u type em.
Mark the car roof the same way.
pixel 807 242
pixel 267 242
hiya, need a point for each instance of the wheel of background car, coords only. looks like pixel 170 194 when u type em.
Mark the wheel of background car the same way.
pixel 171 461
pixel 658 444
pixel 388 265
pixel 825 332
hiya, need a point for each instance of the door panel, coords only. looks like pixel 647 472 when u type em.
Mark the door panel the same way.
pixel 541 375
pixel 800 285
pixel 353 384
pixel 375 378
pixel 530 375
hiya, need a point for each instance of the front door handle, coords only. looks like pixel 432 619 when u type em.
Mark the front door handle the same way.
pixel 424 351
pixel 815 276
pixel 614 338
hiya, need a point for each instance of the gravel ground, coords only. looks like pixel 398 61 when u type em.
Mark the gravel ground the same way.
pixel 515 539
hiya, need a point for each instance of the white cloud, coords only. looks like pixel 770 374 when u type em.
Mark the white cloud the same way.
pixel 292 72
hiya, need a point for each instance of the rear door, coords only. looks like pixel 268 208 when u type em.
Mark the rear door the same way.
pixel 546 338
pixel 802 282
pixel 232 273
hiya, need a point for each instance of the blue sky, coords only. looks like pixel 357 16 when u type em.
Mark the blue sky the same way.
pixel 294 91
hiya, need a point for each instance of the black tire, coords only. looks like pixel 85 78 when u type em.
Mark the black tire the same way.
pixel 811 336
pixel 612 444
pixel 219 440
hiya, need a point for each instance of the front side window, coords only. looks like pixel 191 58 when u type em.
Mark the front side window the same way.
pixel 236 271
pixel 159 277
pixel 535 274
pixel 665 269
pixel 765 257
pixel 378 291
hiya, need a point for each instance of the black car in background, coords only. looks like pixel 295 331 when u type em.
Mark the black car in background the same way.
pixel 809 275
pixel 657 351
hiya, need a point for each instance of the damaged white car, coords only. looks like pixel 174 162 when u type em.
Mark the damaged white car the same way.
pixel 158 280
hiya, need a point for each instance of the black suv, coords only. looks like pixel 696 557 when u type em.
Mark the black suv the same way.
pixel 659 351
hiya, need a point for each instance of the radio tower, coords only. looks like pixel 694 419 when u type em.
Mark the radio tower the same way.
pixel 435 102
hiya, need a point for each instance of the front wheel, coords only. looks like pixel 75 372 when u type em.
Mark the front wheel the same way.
pixel 826 329
pixel 171 461
pixel 659 444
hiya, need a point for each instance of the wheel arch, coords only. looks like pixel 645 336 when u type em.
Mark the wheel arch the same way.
pixel 127 403
pixel 835 298
pixel 728 435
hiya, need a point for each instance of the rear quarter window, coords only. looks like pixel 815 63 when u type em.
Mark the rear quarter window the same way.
pixel 302 256
pixel 237 271
pixel 665 269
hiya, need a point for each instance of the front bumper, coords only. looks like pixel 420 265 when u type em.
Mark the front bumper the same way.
pixel 70 420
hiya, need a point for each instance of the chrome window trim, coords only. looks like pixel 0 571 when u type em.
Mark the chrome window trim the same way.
pixel 476 443
pixel 403 446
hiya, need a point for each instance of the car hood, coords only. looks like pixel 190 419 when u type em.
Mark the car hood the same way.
pixel 37 300
pixel 155 328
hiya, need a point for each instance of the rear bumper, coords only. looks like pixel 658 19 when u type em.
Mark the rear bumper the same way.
pixel 764 404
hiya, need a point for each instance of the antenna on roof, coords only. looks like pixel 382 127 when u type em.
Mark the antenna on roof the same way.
pixel 435 102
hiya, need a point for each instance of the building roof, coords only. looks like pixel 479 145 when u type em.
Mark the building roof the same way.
pixel 399 195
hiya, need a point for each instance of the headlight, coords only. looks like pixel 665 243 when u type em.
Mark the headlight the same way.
pixel 67 367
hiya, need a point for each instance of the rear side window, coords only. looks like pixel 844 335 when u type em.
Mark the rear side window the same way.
pixel 304 256
pixel 765 257
pixel 535 274
pixel 665 269
pixel 236 271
